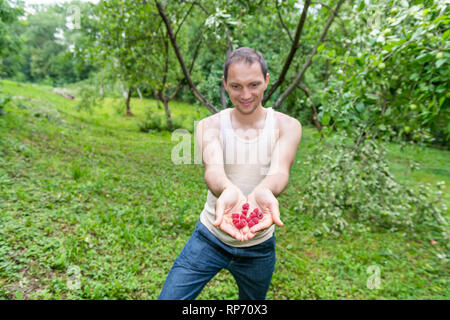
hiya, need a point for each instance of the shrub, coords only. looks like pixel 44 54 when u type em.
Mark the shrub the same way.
pixel 352 188
pixel 3 102
pixel 157 122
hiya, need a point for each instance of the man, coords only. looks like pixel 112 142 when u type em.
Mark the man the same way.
pixel 247 152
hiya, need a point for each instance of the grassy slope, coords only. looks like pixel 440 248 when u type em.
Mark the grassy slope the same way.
pixel 89 190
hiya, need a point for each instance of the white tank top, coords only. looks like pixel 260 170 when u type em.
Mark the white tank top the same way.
pixel 246 163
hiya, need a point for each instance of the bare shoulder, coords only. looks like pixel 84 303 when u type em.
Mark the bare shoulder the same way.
pixel 209 127
pixel 211 122
pixel 287 124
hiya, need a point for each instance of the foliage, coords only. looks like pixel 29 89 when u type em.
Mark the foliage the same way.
pixel 8 45
pixel 155 122
pixel 89 97
pixel 353 188
pixel 48 46
pixel 390 76
pixel 93 192
pixel 3 102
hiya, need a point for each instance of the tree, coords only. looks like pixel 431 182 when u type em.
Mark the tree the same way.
pixel 391 79
pixel 47 50
pixel 181 60
pixel 8 45
pixel 125 41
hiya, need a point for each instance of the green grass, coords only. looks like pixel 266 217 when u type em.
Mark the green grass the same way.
pixel 88 190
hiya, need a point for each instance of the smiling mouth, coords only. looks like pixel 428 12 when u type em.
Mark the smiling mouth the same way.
pixel 246 103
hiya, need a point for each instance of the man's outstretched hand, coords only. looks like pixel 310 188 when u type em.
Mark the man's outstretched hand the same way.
pixel 230 201
pixel 265 201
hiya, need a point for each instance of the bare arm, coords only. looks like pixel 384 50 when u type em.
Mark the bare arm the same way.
pixel 282 157
pixel 208 140
pixel 229 197
pixel 265 193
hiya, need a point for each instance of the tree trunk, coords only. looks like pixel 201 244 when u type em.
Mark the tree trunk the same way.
pixel 122 88
pixel 127 102
pixel 169 116
pixel 165 102
pixel 223 96
pixel 102 90
pixel 318 125
pixel 223 93
pixel 139 92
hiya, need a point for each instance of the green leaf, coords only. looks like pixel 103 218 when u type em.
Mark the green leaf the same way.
pixel 360 107
pixel 326 118
pixel 440 62
pixel 446 34
pixel 371 96
pixel 361 6
pixel 320 48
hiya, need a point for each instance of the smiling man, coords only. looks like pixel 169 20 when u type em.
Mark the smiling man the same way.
pixel 247 152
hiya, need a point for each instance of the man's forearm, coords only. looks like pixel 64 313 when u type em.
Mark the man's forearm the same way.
pixel 276 183
pixel 217 181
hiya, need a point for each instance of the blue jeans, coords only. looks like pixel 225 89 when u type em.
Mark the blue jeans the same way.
pixel 204 255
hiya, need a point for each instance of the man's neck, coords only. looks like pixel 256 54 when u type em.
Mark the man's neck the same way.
pixel 249 120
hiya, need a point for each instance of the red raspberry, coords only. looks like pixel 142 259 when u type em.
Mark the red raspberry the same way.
pixel 252 222
pixel 235 215
pixel 236 221
pixel 259 215
pixel 245 206
pixel 242 223
pixel 244 212
pixel 243 217
pixel 253 214
pixel 256 210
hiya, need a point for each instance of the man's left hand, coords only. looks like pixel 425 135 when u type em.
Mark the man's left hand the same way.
pixel 265 201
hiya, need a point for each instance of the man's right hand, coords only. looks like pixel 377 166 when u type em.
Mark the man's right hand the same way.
pixel 230 201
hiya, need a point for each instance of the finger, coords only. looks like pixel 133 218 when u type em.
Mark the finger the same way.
pixel 249 235
pixel 231 231
pixel 245 232
pixel 220 208
pixel 275 210
pixel 263 224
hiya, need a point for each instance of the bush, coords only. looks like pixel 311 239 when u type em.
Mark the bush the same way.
pixel 352 188
pixel 156 122
pixel 3 102
pixel 89 98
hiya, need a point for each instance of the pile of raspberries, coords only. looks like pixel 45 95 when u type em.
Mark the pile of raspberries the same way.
pixel 241 220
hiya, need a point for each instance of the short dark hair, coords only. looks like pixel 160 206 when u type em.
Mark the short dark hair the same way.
pixel 245 54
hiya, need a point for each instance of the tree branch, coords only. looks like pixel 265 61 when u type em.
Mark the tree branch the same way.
pixel 186 72
pixel 172 96
pixel 303 87
pixel 282 22
pixel 299 76
pixel 184 18
pixel 291 54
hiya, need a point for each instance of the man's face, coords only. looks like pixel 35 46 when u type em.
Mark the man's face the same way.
pixel 245 86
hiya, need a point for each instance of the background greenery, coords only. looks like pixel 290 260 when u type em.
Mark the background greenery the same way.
pixel 86 176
